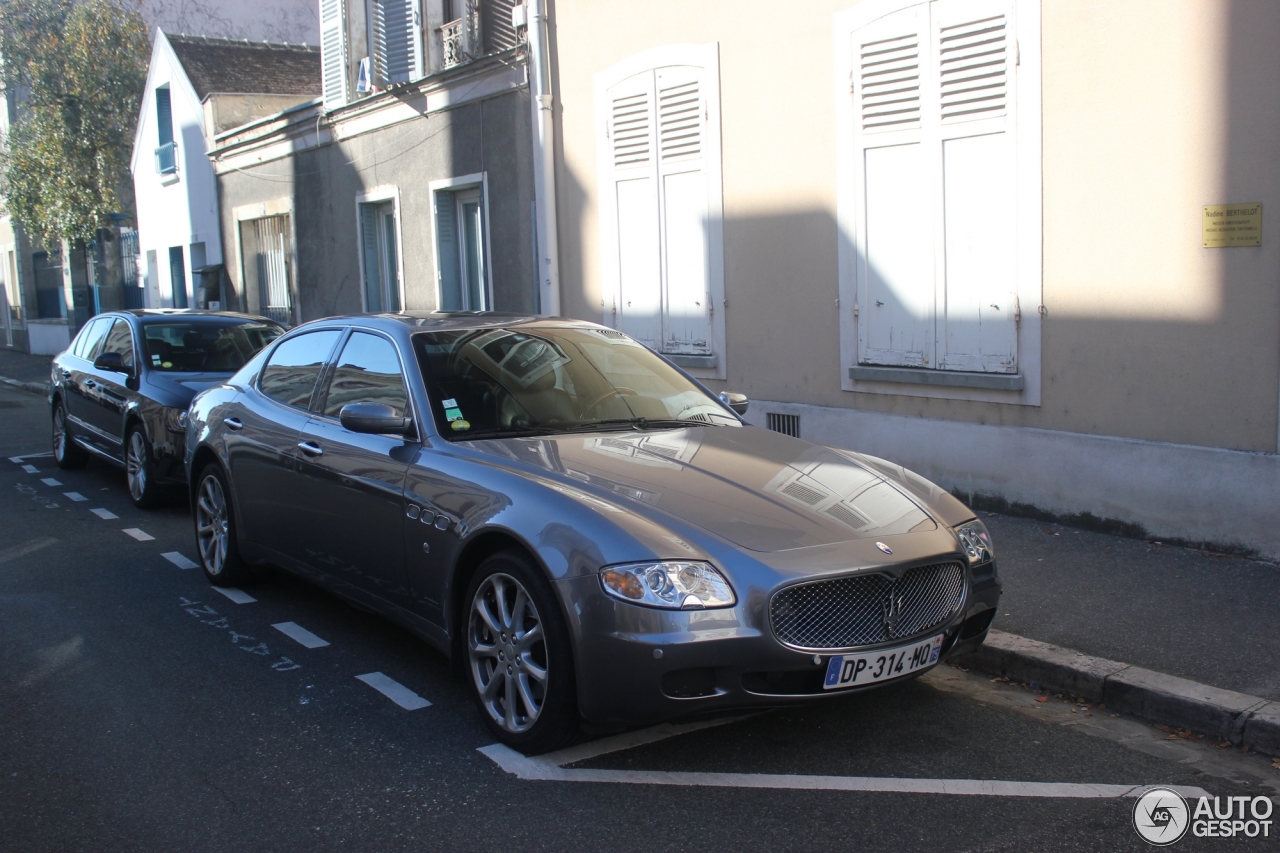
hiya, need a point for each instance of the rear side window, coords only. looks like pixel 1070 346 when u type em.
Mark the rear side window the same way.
pixel 89 338
pixel 120 339
pixel 292 371
pixel 367 372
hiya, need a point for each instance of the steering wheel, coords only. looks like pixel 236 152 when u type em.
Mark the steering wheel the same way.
pixel 618 391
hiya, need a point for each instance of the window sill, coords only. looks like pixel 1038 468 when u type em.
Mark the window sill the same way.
pixel 167 178
pixel 947 378
pixel 707 361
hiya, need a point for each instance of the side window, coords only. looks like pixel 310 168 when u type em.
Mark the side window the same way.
pixel 368 372
pixel 90 336
pixel 291 373
pixel 120 339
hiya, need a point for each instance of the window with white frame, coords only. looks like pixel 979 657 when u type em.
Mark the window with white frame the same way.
pixel 940 188
pixel 462 244
pixel 379 256
pixel 266 247
pixel 659 179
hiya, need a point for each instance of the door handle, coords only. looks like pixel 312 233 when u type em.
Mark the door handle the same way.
pixel 233 423
pixel 310 448
pixel 66 374
pixel 89 383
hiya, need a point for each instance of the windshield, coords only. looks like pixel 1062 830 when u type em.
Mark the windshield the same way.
pixel 492 382
pixel 204 347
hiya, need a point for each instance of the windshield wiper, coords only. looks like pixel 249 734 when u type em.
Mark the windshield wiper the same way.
pixel 635 423
pixel 507 432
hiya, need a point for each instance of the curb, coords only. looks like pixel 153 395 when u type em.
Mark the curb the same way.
pixel 1244 720
pixel 31 387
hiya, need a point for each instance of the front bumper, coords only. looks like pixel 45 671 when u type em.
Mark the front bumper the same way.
pixel 638 665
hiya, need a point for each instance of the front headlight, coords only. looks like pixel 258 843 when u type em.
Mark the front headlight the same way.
pixel 976 542
pixel 673 585
pixel 175 420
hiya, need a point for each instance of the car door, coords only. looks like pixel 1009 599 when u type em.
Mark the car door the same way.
pixel 76 367
pixel 109 391
pixel 262 428
pixel 354 482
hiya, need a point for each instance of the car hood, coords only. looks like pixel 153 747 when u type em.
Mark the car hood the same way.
pixel 758 489
pixel 184 386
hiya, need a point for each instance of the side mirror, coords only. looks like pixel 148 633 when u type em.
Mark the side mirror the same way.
pixel 373 418
pixel 737 402
pixel 112 361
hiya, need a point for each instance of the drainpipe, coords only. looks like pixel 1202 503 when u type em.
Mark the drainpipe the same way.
pixel 544 163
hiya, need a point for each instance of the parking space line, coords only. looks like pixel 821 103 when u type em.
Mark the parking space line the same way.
pixel 296 632
pixel 394 690
pixel 239 596
pixel 16 460
pixel 75 496
pixel 31 469
pixel 49 481
pixel 139 535
pixel 41 455
pixel 104 514
pixel 180 560
pixel 538 768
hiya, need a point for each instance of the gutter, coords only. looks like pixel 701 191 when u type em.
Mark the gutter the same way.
pixel 544 165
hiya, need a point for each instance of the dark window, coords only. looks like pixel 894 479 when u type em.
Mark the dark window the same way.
pixel 293 369
pixel 206 347
pixel 368 372
pixel 164 116
pixel 178 277
pixel 120 339
pixel 91 336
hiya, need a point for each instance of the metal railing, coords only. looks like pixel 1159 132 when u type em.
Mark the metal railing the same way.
pixel 460 39
pixel 167 158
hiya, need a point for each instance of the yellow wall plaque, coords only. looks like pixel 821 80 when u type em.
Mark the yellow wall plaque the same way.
pixel 1232 225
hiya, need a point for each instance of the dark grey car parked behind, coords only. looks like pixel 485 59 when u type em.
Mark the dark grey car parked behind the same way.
pixel 581 527
pixel 121 390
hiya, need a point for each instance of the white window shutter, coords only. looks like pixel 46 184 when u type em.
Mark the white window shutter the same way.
pixel 333 53
pixel 632 191
pixel 681 124
pixel 891 90
pixel 401 40
pixel 369 257
pixel 975 53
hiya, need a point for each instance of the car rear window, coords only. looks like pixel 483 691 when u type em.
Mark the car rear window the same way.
pixel 204 347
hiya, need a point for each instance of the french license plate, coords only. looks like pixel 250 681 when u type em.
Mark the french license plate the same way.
pixel 881 665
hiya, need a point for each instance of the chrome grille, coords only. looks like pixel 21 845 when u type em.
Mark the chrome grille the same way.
pixel 864 610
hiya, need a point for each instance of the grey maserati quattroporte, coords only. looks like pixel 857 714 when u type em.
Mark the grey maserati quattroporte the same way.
pixel 586 531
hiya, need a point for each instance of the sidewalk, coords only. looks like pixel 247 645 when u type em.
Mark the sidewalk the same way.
pixel 1208 618
pixel 24 368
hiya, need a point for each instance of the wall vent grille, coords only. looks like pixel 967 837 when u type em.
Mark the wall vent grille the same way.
pixel 785 424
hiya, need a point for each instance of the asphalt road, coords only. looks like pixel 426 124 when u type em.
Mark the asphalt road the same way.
pixel 140 709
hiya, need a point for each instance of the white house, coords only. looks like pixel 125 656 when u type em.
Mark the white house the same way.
pixel 196 88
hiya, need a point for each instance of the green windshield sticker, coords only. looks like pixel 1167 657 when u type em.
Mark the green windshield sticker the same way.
pixel 453 414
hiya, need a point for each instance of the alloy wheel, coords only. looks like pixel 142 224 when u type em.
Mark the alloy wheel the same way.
pixel 508 653
pixel 212 525
pixel 60 438
pixel 135 464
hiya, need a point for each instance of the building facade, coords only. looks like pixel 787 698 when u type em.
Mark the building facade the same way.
pixel 972 236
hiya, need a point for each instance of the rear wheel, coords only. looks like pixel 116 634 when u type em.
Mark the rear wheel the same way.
pixel 215 530
pixel 66 452
pixel 140 468
pixel 518 656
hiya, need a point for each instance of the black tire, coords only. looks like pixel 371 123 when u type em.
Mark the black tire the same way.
pixel 140 469
pixel 556 722
pixel 215 527
pixel 66 452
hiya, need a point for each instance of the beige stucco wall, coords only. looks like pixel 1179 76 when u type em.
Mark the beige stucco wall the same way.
pixel 1152 109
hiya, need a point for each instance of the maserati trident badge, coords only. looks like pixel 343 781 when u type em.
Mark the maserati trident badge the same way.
pixel 884 547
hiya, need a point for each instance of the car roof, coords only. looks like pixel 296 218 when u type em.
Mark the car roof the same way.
pixel 436 321
pixel 195 314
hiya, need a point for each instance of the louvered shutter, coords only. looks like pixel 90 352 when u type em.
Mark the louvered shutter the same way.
pixel 164 116
pixel 447 252
pixel 975 53
pixel 681 115
pixel 401 40
pixel 333 53
pixel 632 190
pixel 369 258
pixel 890 89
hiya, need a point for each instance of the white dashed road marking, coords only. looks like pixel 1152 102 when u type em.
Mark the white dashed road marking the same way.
pixel 104 514
pixel 16 459
pixel 179 560
pixel 294 631
pixel 138 534
pixel 75 496
pixel 31 469
pixel 49 481
pixel 394 690
pixel 236 595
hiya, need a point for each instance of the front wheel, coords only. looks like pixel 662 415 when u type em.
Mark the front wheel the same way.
pixel 216 532
pixel 139 469
pixel 518 656
pixel 66 453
